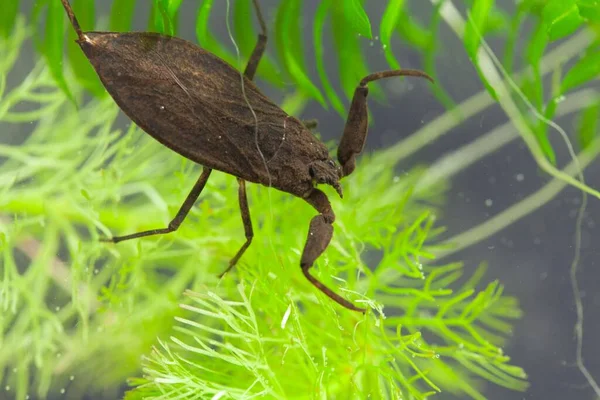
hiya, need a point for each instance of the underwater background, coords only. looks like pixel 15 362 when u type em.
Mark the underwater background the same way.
pixel 530 257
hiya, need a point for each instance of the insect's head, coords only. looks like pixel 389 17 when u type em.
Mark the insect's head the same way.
pixel 326 172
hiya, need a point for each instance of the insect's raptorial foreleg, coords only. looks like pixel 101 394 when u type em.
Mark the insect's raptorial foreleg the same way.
pixel 261 45
pixel 319 236
pixel 355 131
pixel 245 211
pixel 179 217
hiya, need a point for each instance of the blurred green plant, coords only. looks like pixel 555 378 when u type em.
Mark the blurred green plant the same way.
pixel 85 325
pixel 77 315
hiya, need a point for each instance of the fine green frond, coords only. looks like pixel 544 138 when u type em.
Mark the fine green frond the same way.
pixel 588 125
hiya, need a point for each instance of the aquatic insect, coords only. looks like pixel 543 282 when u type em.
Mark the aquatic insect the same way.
pixel 198 105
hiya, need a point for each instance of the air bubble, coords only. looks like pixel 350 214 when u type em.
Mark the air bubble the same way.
pixel 520 177
pixel 162 107
pixel 62 391
pixel 488 202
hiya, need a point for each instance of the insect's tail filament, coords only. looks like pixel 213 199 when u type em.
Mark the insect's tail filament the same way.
pixel 73 19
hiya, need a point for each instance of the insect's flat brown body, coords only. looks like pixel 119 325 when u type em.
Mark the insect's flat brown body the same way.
pixel 196 104
pixel 180 88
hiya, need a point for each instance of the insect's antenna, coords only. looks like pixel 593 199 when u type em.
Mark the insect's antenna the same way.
pixel 330 293
pixel 73 19
pixel 398 72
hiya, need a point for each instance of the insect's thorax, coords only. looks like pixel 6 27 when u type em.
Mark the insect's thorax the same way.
pixel 288 149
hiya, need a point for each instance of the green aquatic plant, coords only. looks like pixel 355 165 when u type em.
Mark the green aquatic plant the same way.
pixel 80 317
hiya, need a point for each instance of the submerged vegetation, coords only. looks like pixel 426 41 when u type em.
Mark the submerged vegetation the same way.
pixel 82 317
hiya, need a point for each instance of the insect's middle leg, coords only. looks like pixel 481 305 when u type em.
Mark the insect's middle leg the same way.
pixel 179 217
pixel 261 45
pixel 245 211
pixel 319 236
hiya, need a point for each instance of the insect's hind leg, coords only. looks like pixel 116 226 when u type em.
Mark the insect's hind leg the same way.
pixel 179 217
pixel 260 47
pixel 245 211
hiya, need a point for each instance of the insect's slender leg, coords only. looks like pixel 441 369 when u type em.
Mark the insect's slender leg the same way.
pixel 245 211
pixel 310 123
pixel 319 236
pixel 179 217
pixel 261 45
pixel 355 131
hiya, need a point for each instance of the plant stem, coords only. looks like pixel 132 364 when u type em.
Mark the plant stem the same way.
pixel 454 162
pixel 521 209
pixel 487 63
pixel 478 102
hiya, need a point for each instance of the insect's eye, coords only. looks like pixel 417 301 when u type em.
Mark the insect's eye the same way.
pixel 331 163
pixel 311 171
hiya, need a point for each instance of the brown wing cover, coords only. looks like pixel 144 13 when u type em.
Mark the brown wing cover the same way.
pixel 193 102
